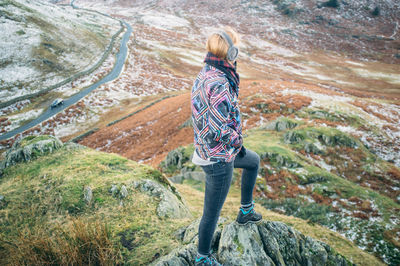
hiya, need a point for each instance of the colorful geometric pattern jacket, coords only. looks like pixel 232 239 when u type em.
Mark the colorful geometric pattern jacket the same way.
pixel 215 116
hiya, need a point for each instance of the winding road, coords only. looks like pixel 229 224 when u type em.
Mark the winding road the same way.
pixel 120 60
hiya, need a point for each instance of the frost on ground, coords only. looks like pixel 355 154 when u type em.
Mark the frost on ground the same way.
pixel 43 44
pixel 384 140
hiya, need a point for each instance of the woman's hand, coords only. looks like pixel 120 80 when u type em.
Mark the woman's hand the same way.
pixel 242 151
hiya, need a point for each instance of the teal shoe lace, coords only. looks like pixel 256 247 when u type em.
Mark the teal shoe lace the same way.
pixel 210 260
pixel 251 210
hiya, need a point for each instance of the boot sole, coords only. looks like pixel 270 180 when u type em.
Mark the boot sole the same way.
pixel 251 222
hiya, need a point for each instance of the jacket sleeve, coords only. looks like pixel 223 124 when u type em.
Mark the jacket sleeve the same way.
pixel 219 115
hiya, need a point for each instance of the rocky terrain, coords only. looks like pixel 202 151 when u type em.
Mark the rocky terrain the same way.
pixel 56 198
pixel 265 243
pixel 313 45
pixel 319 97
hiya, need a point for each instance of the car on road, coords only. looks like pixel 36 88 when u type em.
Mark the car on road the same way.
pixel 57 102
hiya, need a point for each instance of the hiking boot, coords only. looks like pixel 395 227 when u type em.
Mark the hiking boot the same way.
pixel 249 216
pixel 209 260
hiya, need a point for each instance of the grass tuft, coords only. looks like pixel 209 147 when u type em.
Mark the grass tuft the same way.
pixel 80 242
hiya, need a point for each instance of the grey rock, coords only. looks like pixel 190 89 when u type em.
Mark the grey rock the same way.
pixel 344 140
pixel 280 125
pixel 123 192
pixel 280 160
pixel 292 137
pixel 169 206
pixel 242 245
pixel 180 233
pixel 311 148
pixel 114 190
pixel 179 257
pixel 3 202
pixel 190 234
pixel 175 159
pixel 29 148
pixel 327 139
pixel 264 243
pixel 88 195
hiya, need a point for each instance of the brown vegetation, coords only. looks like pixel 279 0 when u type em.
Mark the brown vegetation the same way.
pixel 148 135
pixel 77 243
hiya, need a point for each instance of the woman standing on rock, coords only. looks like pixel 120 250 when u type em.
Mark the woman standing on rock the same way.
pixel 218 138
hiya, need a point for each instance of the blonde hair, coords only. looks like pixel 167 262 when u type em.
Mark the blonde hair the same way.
pixel 218 46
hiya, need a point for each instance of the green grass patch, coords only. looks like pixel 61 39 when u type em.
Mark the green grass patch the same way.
pixel 198 185
pixel 49 191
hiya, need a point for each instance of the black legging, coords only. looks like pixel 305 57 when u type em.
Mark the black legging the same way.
pixel 218 181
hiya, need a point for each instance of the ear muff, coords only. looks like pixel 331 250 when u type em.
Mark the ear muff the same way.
pixel 233 51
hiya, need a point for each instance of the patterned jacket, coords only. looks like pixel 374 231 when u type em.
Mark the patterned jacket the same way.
pixel 215 116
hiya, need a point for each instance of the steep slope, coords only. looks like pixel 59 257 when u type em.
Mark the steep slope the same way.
pixel 71 205
pixel 43 44
pixel 344 46
pixel 147 135
pixel 314 45
pixel 53 200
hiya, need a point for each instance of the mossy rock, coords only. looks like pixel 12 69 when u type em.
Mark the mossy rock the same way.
pixel 280 160
pixel 30 148
pixel 176 159
pixel 312 148
pixel 322 114
pixel 264 243
pixel 281 124
pixel 326 136
pixel 312 178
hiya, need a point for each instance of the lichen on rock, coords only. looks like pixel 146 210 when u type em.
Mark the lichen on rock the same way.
pixel 264 243
pixel 29 148
pixel 280 124
pixel 170 205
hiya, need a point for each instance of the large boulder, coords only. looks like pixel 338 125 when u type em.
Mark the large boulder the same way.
pixel 170 205
pixel 242 245
pixel 29 148
pixel 265 243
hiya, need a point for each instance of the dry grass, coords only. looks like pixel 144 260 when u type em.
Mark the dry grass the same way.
pixel 80 242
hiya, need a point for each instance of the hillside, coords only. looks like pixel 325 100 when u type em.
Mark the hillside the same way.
pixel 43 47
pixel 327 157
pixel 66 195
pixel 314 46
pixel 319 97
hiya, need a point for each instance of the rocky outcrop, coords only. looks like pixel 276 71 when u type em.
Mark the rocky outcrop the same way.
pixel 330 138
pixel 178 162
pixel 169 206
pixel 265 243
pixel 29 148
pixel 174 160
pixel 280 160
pixel 280 124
